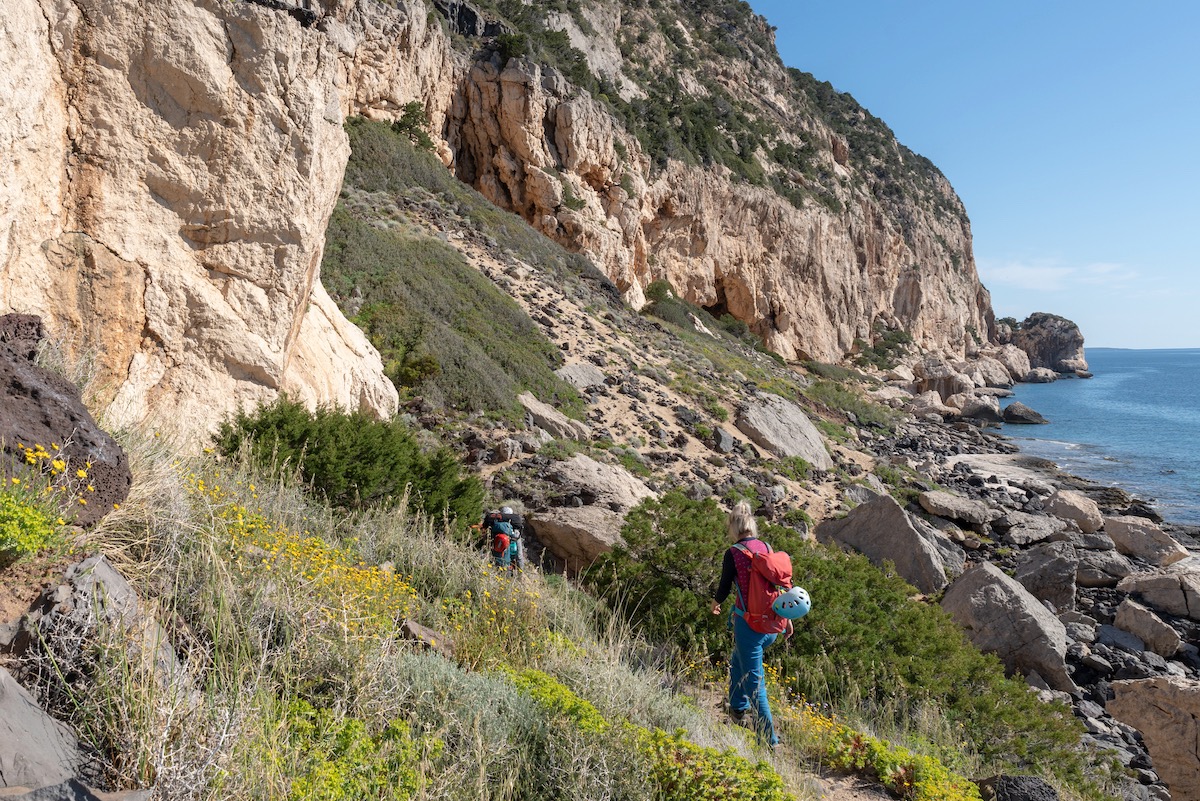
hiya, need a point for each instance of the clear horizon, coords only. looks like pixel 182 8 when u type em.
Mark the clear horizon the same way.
pixel 1067 129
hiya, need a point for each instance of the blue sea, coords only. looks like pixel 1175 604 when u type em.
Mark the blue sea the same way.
pixel 1135 425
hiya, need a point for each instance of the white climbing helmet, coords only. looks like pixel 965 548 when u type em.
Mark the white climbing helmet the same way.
pixel 792 604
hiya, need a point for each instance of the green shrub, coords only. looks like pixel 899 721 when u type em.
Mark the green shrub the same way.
pixel 28 522
pixel 339 758
pixel 793 467
pixel 684 771
pixel 352 460
pixel 664 575
pixel 842 398
pixel 414 124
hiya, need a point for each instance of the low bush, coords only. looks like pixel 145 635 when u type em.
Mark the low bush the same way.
pixel 351 459
pixel 338 757
pixel 845 399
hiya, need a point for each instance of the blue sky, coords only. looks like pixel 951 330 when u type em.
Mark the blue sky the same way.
pixel 1071 130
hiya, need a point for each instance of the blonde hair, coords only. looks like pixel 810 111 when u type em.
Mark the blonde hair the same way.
pixel 741 522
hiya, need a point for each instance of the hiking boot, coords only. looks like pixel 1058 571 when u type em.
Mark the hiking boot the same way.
pixel 740 717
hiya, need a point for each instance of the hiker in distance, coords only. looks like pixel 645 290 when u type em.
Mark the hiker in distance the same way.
pixel 765 607
pixel 503 530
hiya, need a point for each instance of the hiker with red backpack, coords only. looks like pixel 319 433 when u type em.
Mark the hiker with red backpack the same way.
pixel 503 531
pixel 765 607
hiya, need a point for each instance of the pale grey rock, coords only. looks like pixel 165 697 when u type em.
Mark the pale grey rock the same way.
pixel 582 375
pixel 613 485
pixel 1040 375
pixel 1167 713
pixel 35 749
pixel 1174 589
pixel 1123 640
pixel 552 421
pixel 956 507
pixel 1001 617
pixel 981 407
pixel 1076 507
pixel 928 403
pixel 934 375
pixel 1141 537
pixel 782 427
pixel 1048 572
pixel 1015 360
pixel 901 373
pixel 506 450
pixel 1022 528
pixel 882 531
pixel 577 535
pixel 994 372
pixel 1101 568
pixel 1140 621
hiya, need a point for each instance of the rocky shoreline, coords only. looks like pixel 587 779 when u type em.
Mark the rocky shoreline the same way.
pixel 1078 586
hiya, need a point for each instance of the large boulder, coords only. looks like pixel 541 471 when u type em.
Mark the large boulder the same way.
pixel 994 372
pixel 934 375
pixel 1023 528
pixel 1048 572
pixel 582 375
pixel 39 407
pixel 577 535
pixel 1166 710
pixel 1141 537
pixel 928 403
pixel 610 485
pixel 1002 617
pixel 1015 360
pixel 94 599
pixel 884 532
pixel 781 427
pixel 551 420
pixel 1101 568
pixel 1017 413
pixel 1040 375
pixel 1174 589
pixel 1151 629
pixel 1051 342
pixel 1076 507
pixel 956 507
pixel 35 750
pixel 985 408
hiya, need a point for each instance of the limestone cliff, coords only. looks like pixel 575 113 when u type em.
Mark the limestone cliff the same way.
pixel 811 223
pixel 174 164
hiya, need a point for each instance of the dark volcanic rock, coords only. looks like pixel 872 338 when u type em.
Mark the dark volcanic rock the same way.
pixel 38 407
pixel 1017 788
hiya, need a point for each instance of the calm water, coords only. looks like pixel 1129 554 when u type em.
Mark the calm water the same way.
pixel 1136 425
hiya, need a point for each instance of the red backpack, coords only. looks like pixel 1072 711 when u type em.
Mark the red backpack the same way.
pixel 770 575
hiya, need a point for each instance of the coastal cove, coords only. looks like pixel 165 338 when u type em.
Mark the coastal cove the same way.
pixel 1133 425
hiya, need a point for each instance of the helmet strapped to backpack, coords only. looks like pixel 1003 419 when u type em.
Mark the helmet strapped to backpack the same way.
pixel 792 604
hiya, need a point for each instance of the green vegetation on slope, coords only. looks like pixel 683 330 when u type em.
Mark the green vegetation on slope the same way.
pixel 444 330
pixel 865 646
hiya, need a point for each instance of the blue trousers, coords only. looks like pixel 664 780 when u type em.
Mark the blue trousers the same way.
pixel 747 684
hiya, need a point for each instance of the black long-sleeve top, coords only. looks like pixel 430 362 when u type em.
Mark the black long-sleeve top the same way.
pixel 728 574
